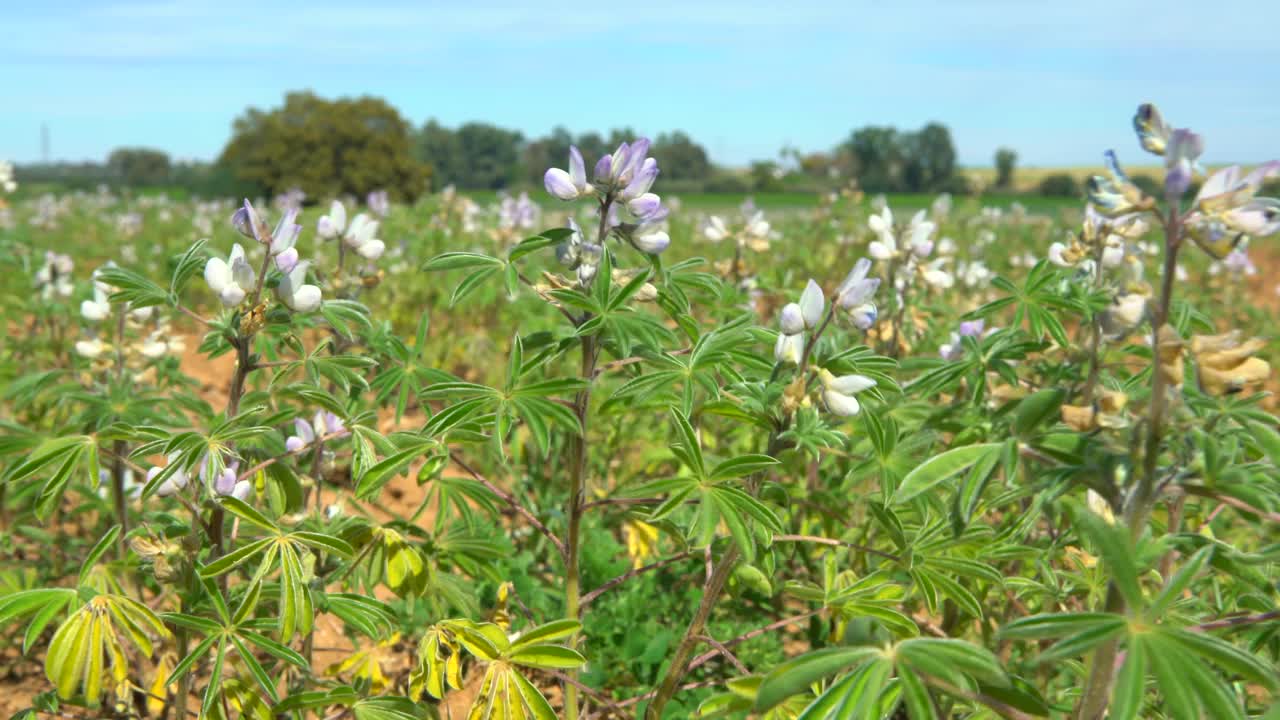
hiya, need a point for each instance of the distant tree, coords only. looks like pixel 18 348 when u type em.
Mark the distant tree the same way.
pixel 874 156
pixel 326 148
pixel 680 158
pixel 1059 185
pixel 437 146
pixel 1006 161
pixel 929 159
pixel 883 159
pixel 550 151
pixel 766 176
pixel 138 166
pixel 492 156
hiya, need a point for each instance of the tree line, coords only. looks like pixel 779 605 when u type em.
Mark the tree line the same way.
pixel 328 147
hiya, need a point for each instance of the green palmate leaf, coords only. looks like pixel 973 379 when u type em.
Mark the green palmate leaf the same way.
pixel 536 705
pixel 1173 675
pixel 915 695
pixel 104 543
pixel 1268 439
pixel 342 315
pixel 1037 408
pixel 471 283
pixel 381 473
pixel 235 557
pixel 1179 582
pixel 132 288
pixel 458 260
pixel 969 494
pixel 796 675
pixel 742 466
pixel 1076 645
pixel 246 512
pixel 1126 700
pixel 550 632
pixel 1116 549
pixel 386 708
pixel 327 543
pixel 944 657
pixel 1060 625
pixel 941 468
pixel 1223 654
pixel 687 445
pixel 547 657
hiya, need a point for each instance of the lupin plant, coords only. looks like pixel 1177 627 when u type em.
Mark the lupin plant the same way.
pixel 1003 467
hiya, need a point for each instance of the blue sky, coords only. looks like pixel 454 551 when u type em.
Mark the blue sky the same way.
pixel 1056 81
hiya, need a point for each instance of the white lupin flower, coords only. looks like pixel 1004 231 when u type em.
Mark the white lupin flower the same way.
pixel 1129 309
pixel 652 242
pixel 97 309
pixel 757 226
pixel 90 348
pixel 1113 256
pixel 331 225
pixel 789 348
pixel 838 392
pixel 154 346
pixel 864 316
pixel 715 231
pixel 1057 257
pixel 936 276
pixel 230 279
pixel 7 183
pixel 293 291
pixel 362 237
pixel 857 289
pixel 173 483
pixel 920 232
pixel 812 304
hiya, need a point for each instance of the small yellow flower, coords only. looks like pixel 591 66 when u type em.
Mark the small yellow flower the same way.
pixel 368 664
pixel 642 540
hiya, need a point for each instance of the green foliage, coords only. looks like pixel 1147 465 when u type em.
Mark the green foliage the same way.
pixel 325 148
pixel 139 166
pixel 473 482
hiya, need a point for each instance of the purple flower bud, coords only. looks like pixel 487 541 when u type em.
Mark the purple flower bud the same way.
pixel 560 184
pixel 603 167
pixel 645 205
pixel 791 321
pixel 226 481
pixel 643 180
pixel 635 159
pixel 294 443
pixel 577 168
pixel 621 157
pixel 1177 180
pixel 972 328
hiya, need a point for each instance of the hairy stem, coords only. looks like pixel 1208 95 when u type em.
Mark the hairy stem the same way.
pixel 1097 691
pixel 578 449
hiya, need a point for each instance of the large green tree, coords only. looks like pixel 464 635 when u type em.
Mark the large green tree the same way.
pixel 326 148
